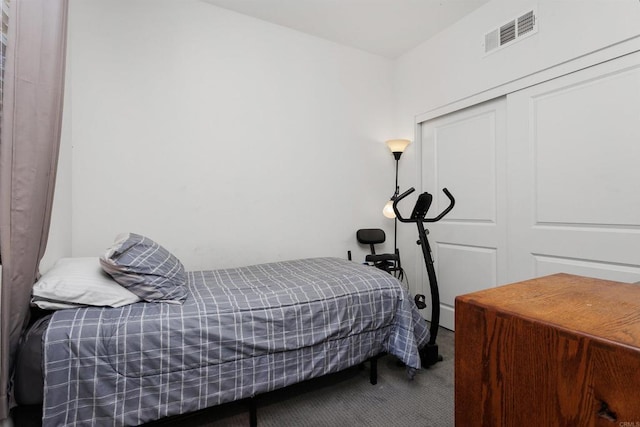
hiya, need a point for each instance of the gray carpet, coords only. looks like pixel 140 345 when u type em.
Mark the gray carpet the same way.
pixel 348 399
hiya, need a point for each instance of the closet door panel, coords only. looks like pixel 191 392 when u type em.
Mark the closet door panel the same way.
pixel 467 266
pixel 586 141
pixel 573 156
pixel 546 265
pixel 465 152
pixel 467 144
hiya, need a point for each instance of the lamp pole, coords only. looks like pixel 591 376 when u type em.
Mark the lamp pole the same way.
pixel 395 195
pixel 397 147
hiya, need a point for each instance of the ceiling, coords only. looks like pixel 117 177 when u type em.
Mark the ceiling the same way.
pixel 384 27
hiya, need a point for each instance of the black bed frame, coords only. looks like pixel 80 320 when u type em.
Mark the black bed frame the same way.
pixel 251 402
pixel 252 405
pixel 31 415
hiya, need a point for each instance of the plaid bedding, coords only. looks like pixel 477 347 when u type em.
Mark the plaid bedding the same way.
pixel 241 332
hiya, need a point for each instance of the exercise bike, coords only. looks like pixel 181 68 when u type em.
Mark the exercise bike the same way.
pixel 429 353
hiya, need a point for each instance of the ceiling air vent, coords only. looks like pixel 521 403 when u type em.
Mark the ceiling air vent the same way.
pixel 507 33
pixel 526 23
pixel 510 32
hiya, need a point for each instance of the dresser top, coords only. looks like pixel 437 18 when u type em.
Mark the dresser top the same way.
pixel 599 308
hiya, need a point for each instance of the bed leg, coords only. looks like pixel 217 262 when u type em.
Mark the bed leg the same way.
pixel 253 412
pixel 253 416
pixel 373 373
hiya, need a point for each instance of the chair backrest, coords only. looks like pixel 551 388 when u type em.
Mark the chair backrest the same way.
pixel 371 236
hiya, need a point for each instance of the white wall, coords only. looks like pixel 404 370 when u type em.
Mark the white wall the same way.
pixel 158 88
pixel 227 139
pixel 452 65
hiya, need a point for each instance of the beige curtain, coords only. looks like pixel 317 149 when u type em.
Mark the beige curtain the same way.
pixel 31 122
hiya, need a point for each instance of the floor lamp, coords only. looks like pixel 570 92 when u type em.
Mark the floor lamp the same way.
pixel 397 147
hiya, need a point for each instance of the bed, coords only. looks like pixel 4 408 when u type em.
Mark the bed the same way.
pixel 237 333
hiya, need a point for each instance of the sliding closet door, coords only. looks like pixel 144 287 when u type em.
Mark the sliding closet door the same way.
pixel 574 174
pixel 465 152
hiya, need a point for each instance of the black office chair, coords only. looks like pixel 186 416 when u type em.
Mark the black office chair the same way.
pixel 387 262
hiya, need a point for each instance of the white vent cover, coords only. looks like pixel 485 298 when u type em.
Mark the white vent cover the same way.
pixel 507 33
pixel 510 32
pixel 526 23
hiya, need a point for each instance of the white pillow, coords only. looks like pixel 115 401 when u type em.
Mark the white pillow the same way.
pixel 78 282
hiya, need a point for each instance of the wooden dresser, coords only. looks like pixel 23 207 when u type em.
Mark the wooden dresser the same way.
pixel 560 350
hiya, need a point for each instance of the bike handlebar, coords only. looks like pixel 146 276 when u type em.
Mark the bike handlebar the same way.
pixel 452 203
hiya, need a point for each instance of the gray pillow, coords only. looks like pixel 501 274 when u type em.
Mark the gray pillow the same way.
pixel 146 269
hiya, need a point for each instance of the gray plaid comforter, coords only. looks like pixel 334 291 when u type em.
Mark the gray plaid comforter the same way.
pixel 241 332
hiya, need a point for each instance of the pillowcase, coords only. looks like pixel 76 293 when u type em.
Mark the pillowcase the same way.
pixel 79 282
pixel 146 269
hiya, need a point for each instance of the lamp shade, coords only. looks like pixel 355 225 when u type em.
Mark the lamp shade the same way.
pixel 388 210
pixel 397 145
